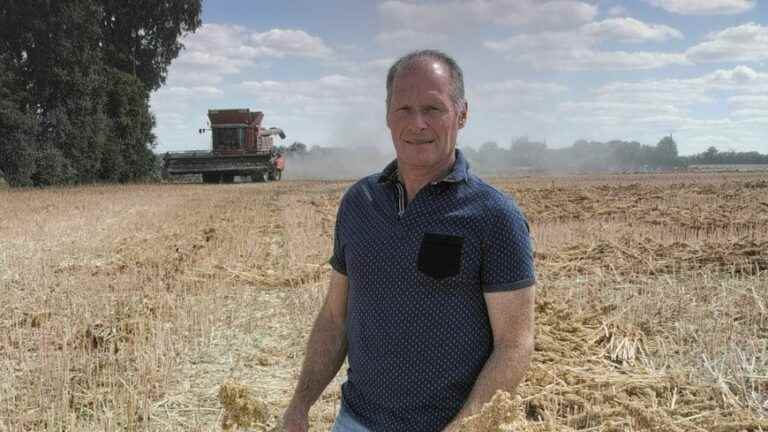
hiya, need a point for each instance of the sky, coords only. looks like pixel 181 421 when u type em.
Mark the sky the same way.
pixel 550 70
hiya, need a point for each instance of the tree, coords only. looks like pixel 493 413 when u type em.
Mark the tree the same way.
pixel 298 148
pixel 17 139
pixel 142 37
pixel 17 144
pixel 667 149
pixel 489 147
pixel 81 72
pixel 628 154
pixel 527 152
pixel 711 154
pixel 129 142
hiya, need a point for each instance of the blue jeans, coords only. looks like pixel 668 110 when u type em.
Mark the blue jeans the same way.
pixel 346 423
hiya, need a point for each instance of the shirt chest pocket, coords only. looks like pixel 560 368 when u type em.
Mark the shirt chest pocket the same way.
pixel 440 255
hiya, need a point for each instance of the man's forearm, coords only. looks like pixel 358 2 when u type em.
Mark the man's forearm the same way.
pixel 503 370
pixel 326 350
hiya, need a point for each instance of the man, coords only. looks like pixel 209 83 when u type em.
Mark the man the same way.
pixel 279 166
pixel 431 295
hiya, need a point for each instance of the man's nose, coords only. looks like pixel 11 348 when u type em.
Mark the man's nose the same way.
pixel 417 121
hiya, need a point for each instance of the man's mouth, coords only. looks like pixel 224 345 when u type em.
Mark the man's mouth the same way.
pixel 419 141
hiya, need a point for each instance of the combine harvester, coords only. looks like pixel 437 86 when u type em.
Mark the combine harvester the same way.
pixel 240 146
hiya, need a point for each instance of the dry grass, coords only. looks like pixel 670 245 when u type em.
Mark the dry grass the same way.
pixel 186 307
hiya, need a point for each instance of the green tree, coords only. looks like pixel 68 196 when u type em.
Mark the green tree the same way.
pixel 667 150
pixel 142 37
pixel 128 149
pixel 711 154
pixel 17 145
pixel 668 146
pixel 18 126
pixel 526 152
pixel 80 73
pixel 297 148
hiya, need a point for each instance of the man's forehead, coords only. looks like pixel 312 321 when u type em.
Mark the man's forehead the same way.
pixel 438 68
pixel 432 71
pixel 427 66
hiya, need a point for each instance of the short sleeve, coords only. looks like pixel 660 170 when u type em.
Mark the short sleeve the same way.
pixel 338 261
pixel 507 262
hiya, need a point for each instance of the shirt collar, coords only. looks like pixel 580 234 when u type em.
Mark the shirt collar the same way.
pixel 457 174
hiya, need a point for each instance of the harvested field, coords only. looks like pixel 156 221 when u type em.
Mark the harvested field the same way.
pixel 187 306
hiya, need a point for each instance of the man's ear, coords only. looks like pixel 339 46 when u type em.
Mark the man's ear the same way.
pixel 463 115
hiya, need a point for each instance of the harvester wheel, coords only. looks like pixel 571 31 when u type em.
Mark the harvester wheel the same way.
pixel 260 177
pixel 228 178
pixel 210 178
pixel 163 173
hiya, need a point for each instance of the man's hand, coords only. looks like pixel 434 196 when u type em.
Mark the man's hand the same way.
pixel 453 427
pixel 326 350
pixel 513 342
pixel 295 420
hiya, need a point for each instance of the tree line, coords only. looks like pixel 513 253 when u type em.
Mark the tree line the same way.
pixel 75 80
pixel 715 157
pixel 521 154
pixel 583 155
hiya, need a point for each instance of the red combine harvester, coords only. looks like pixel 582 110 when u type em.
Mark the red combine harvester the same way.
pixel 240 146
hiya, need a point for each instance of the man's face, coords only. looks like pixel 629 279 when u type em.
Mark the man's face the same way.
pixel 422 117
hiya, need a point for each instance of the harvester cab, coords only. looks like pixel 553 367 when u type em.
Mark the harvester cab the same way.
pixel 239 131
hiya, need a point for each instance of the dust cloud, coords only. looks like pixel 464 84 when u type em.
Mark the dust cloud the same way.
pixel 337 163
pixel 359 145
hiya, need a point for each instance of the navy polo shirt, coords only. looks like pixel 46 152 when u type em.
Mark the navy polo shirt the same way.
pixel 417 323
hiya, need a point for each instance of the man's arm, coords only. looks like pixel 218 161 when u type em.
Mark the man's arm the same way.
pixel 512 322
pixel 326 350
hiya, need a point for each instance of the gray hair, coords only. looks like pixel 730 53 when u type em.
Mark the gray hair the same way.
pixel 408 60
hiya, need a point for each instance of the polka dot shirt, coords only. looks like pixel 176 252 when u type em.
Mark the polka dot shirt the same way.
pixel 417 324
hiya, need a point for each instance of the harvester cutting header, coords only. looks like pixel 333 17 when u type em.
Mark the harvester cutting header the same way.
pixel 240 146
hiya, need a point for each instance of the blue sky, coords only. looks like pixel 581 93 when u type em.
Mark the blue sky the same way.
pixel 552 70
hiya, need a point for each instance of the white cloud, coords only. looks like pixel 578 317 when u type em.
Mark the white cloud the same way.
pixel 196 92
pixel 739 75
pixel 515 95
pixel 647 110
pixel 630 30
pixel 736 133
pixel 544 14
pixel 281 43
pixel 753 106
pixel 704 7
pixel 217 50
pixel 517 87
pixel 749 101
pixel 234 40
pixel 617 11
pixel 750 114
pixel 379 65
pixel 744 43
pixel 574 51
pixel 328 95
pixel 629 110
pixel 405 39
pixel 334 110
pixel 449 16
pixel 739 79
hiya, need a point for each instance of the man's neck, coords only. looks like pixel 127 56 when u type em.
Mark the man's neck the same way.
pixel 414 178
